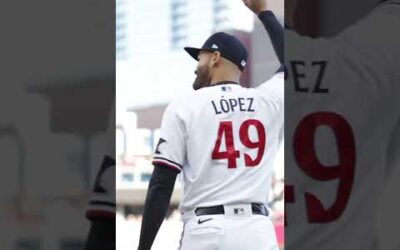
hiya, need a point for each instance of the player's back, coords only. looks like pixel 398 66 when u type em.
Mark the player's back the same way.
pixel 232 135
pixel 343 109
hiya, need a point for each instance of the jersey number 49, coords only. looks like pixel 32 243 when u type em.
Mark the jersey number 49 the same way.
pixel 308 161
pixel 225 132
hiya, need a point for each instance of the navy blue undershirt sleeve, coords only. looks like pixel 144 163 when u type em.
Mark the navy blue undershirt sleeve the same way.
pixel 101 235
pixel 275 31
pixel 158 198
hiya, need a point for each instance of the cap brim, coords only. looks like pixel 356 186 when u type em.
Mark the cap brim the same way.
pixel 193 52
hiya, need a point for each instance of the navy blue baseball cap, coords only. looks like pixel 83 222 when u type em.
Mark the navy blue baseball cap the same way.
pixel 229 47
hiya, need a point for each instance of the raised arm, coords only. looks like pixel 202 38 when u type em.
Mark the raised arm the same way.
pixel 271 24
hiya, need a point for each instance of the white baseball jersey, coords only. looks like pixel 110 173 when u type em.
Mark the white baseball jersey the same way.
pixel 224 138
pixel 343 104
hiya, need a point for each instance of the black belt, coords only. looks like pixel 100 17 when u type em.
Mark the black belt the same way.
pixel 255 208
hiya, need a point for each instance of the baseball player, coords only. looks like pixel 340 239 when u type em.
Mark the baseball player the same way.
pixel 223 139
pixel 101 208
pixel 343 108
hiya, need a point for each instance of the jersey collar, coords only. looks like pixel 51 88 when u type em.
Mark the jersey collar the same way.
pixel 224 82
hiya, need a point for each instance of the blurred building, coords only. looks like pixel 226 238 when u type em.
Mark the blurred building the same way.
pixel 120 29
pixel 166 26
pixel 192 21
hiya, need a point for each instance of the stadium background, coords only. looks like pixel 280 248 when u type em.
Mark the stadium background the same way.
pixel 152 69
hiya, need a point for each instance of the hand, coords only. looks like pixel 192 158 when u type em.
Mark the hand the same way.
pixel 256 6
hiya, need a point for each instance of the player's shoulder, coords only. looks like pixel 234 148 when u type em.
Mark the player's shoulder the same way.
pixel 193 98
pixel 272 90
pixel 182 103
pixel 275 82
pixel 278 76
